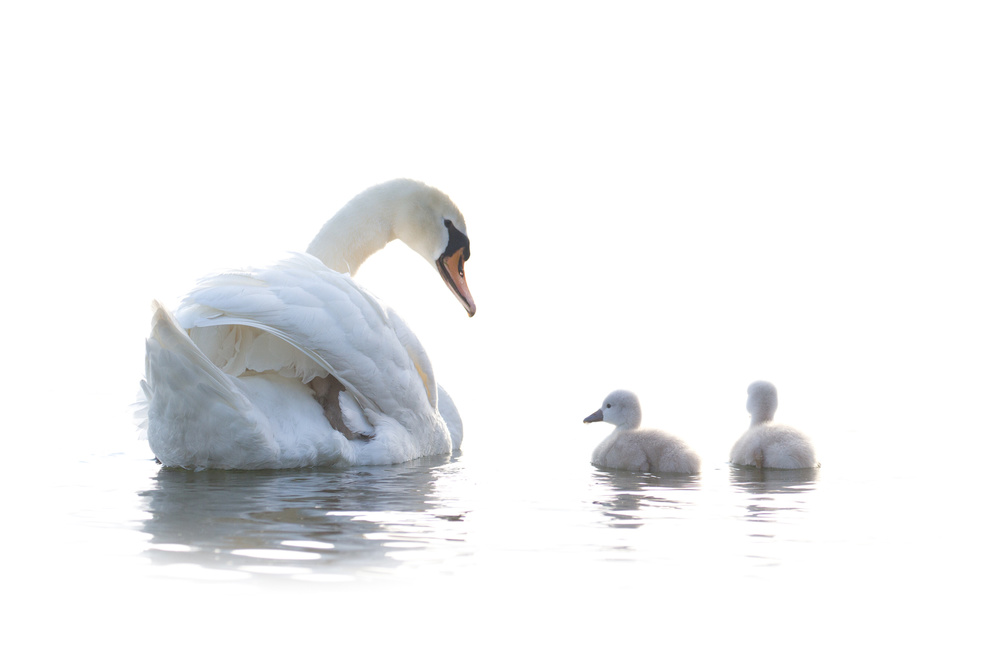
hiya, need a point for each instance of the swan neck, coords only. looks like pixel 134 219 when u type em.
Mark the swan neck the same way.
pixel 363 227
pixel 757 420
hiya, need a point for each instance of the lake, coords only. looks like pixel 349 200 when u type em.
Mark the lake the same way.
pixel 479 555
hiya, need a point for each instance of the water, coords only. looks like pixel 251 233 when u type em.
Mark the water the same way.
pixel 479 555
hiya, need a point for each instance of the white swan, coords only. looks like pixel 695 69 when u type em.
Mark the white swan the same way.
pixel 769 445
pixel 640 450
pixel 296 365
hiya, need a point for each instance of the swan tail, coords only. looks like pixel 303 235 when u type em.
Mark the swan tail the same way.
pixel 449 412
pixel 195 415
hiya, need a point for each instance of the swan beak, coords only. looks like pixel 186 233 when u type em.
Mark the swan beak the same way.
pixel 596 417
pixel 452 270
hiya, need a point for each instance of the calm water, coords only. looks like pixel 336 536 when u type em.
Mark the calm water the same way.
pixel 480 555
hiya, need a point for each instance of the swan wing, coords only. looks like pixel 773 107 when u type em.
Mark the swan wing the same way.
pixel 198 416
pixel 180 380
pixel 418 356
pixel 319 322
pixel 436 394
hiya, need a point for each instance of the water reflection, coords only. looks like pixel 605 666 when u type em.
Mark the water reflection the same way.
pixel 629 499
pixel 772 480
pixel 775 506
pixel 773 493
pixel 330 524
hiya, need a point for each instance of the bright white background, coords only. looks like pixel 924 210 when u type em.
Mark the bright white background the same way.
pixel 677 198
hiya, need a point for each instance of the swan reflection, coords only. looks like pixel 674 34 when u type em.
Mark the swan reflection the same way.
pixel 773 492
pixel 629 499
pixel 326 522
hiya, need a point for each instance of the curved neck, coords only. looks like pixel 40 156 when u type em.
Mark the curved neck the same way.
pixel 345 247
pixel 362 227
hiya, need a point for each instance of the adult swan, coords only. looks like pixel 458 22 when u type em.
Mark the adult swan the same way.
pixel 295 364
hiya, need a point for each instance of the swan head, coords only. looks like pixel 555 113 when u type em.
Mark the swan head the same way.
pixel 762 401
pixel 620 408
pixel 434 228
pixel 422 217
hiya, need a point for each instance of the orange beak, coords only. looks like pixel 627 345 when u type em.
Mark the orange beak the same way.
pixel 452 270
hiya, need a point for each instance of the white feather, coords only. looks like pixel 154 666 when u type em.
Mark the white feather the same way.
pixel 295 364
pixel 639 450
pixel 769 445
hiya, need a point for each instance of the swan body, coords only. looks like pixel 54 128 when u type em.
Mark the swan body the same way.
pixel 769 445
pixel 639 450
pixel 295 364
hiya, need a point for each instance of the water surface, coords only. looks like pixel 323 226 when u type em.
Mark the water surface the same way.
pixel 556 552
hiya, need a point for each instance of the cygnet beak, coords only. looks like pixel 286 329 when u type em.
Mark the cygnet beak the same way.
pixel 596 417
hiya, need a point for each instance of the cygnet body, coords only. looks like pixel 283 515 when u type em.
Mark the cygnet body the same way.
pixel 766 444
pixel 639 450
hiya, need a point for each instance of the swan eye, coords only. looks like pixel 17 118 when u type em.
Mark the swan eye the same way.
pixel 608 405
pixel 457 240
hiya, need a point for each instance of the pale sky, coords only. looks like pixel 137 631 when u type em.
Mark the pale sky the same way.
pixel 675 198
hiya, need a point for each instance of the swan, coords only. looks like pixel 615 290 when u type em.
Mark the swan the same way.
pixel 640 450
pixel 769 445
pixel 295 364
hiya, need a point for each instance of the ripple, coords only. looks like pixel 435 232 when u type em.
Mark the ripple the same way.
pixel 276 554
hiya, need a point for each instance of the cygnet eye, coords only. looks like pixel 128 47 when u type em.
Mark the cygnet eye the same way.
pixel 608 405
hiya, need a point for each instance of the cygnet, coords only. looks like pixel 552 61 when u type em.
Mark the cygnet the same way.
pixel 640 450
pixel 769 445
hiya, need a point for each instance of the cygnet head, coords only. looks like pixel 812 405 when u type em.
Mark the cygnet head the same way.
pixel 762 401
pixel 620 408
